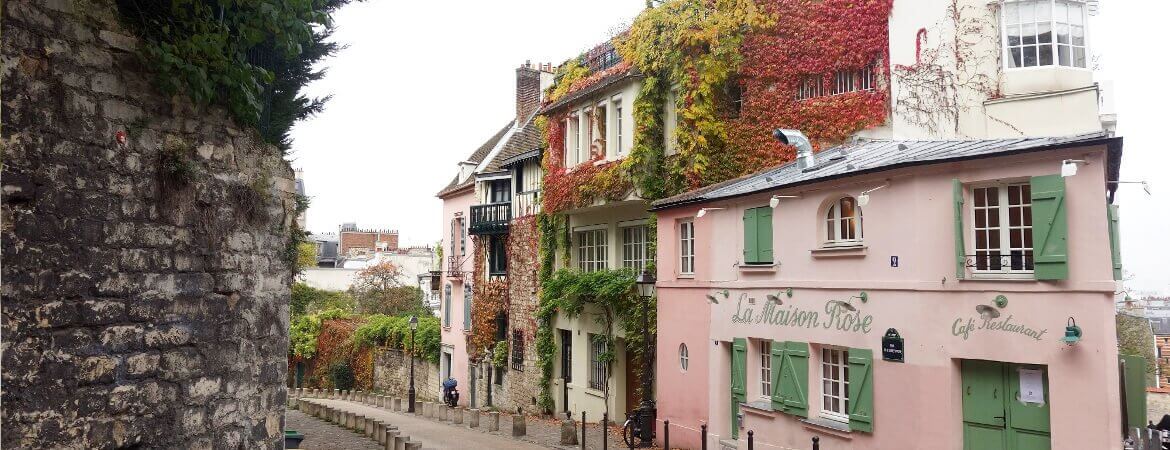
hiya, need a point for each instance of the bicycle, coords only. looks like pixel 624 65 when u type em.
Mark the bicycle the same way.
pixel 633 428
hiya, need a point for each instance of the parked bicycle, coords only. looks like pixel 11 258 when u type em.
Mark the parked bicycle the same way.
pixel 633 428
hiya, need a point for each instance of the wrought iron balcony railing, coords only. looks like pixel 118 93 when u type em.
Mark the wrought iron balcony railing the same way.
pixel 491 218
pixel 997 261
pixel 454 266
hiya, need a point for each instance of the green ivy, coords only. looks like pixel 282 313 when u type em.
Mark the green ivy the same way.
pixel 304 330
pixel 500 354
pixel 248 56
pixel 394 331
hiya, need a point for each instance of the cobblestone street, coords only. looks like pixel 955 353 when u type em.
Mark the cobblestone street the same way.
pixel 322 435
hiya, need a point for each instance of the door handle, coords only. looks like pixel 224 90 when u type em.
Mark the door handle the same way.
pixel 995 393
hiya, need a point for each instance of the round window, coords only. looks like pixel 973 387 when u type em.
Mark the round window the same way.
pixel 683 356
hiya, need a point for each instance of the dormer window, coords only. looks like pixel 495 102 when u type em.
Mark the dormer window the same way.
pixel 1044 33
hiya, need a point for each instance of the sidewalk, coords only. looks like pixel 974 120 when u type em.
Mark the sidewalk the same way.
pixel 436 434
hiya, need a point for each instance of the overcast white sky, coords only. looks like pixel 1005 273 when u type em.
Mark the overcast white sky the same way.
pixel 422 84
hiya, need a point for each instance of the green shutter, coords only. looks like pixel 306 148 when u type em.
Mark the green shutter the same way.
pixel 861 389
pixel 777 370
pixel 960 249
pixel 764 231
pixel 794 379
pixel 1134 378
pixel 1115 241
pixel 1049 228
pixel 738 381
pixel 750 237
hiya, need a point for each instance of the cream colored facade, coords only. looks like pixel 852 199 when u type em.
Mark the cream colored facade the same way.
pixel 980 96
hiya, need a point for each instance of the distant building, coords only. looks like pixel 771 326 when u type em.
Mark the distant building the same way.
pixel 326 249
pixel 300 186
pixel 355 241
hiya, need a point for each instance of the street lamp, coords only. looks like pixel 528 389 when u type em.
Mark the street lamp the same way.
pixel 410 392
pixel 646 289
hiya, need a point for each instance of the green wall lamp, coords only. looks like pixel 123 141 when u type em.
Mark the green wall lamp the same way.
pixel 1072 333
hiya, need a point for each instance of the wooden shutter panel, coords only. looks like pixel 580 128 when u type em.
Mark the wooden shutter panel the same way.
pixel 1115 241
pixel 1134 378
pixel 1049 228
pixel 764 233
pixel 777 370
pixel 960 249
pixel 751 240
pixel 738 381
pixel 861 389
pixel 794 380
pixel 467 291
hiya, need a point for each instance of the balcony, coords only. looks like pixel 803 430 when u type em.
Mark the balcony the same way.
pixel 526 203
pixel 454 266
pixel 491 218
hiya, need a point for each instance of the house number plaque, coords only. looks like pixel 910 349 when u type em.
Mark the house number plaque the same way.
pixel 893 348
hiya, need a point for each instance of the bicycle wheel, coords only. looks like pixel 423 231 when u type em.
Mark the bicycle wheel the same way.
pixel 629 433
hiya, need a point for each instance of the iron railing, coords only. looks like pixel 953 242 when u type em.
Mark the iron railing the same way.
pixel 491 218
pixel 997 261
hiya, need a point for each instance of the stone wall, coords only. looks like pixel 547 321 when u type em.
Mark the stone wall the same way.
pixel 392 375
pixel 522 387
pixel 145 295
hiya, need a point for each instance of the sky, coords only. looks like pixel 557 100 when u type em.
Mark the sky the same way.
pixel 421 85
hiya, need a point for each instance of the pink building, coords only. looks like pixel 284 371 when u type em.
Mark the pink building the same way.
pixel 896 295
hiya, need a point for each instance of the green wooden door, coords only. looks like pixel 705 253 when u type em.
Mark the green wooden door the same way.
pixel 738 381
pixel 993 417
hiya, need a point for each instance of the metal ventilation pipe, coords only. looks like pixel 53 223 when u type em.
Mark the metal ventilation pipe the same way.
pixel 804 151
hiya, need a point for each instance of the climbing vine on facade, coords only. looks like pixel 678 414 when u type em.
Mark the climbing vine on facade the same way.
pixel 490 297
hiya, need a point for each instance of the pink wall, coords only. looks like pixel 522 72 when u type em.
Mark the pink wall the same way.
pixel 917 403
pixel 453 336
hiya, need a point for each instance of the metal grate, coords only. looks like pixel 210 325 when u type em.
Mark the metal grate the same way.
pixel 518 350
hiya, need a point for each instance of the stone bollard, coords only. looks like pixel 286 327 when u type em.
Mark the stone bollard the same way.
pixel 426 409
pixel 472 418
pixel 493 421
pixel 568 432
pixel 400 442
pixel 336 394
pixel 369 428
pixel 458 413
pixel 519 425
pixel 413 445
pixel 381 401
pixel 388 439
pixel 418 407
pixel 397 402
pixel 379 431
pixel 445 413
pixel 351 420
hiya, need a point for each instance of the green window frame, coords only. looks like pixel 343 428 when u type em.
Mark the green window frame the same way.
pixel 757 236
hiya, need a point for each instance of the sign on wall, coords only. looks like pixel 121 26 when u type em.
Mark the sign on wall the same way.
pixel 893 347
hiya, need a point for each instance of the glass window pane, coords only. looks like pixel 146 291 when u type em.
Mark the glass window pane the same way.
pixel 1061 14
pixel 1044 32
pixel 1043 11
pixel 1011 13
pixel 993 241
pixel 1078 57
pixel 1078 35
pixel 980 239
pixel 992 196
pixel 993 218
pixel 1014 58
pixel 980 218
pixel 1075 14
pixel 1030 56
pixel 1028 33
pixel 1046 55
pixel 1061 33
pixel 1016 239
pixel 1027 213
pixel 1027 12
pixel 1013 35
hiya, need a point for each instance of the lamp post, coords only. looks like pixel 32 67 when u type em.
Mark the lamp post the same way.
pixel 646 289
pixel 410 392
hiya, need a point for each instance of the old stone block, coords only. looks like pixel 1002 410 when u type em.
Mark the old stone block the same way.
pixel 493 421
pixel 142 364
pixel 168 336
pixel 98 369
pixel 204 387
pixel 120 111
pixel 107 83
pixel 473 418
pixel 519 425
pixel 568 432
pixel 94 57
pixel 118 40
pixel 458 415
pixel 79 105
pixel 122 337
pixel 400 442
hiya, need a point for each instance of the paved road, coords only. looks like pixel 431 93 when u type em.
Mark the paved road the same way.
pixel 322 435
pixel 434 434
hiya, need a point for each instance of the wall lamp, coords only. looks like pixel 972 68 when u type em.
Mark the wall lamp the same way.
pixel 775 200
pixel 863 199
pixel 1072 333
pixel 703 211
pixel 1068 167
pixel 1145 184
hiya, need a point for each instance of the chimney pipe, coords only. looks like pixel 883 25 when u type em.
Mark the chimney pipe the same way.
pixel 804 151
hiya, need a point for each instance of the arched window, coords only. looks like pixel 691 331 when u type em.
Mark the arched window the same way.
pixel 684 356
pixel 843 222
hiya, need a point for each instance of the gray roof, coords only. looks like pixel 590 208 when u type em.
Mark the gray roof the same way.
pixel 880 155
pixel 1161 325
pixel 475 157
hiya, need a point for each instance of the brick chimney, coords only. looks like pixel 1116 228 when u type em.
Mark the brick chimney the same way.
pixel 527 91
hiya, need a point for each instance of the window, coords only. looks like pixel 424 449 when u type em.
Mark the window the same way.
pixel 684 356
pixel 1003 228
pixel 835 384
pixel 518 350
pixel 447 305
pixel 501 191
pixel 686 236
pixel 598 372
pixel 600 121
pixel 467 306
pixel 497 254
pixel 1029 29
pixel 585 145
pixel 757 236
pixel 843 82
pixel 592 252
pixel 810 86
pixel 766 368
pixel 634 247
pixel 843 223
pixel 572 141
pixel 617 125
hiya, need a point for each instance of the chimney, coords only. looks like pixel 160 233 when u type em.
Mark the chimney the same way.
pixel 804 150
pixel 527 91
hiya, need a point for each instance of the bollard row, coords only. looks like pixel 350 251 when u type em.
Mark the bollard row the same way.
pixel 386 435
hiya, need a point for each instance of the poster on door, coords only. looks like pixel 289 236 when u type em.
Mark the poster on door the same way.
pixel 1031 386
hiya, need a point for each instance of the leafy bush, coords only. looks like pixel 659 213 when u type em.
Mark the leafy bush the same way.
pixel 308 299
pixel 304 330
pixel 500 354
pixel 394 331
pixel 341 375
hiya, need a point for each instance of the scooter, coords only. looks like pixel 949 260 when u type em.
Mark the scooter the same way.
pixel 451 398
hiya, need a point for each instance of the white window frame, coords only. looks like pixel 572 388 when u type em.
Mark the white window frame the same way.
pixel 616 107
pixel 1004 229
pixel 599 258
pixel 765 368
pixel 833 220
pixel 584 139
pixel 572 140
pixel 686 250
pixel 637 247
pixel 1054 27
pixel 840 379
pixel 601 107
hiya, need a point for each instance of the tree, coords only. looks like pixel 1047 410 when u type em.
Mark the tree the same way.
pixel 307 300
pixel 306 256
pixel 379 289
